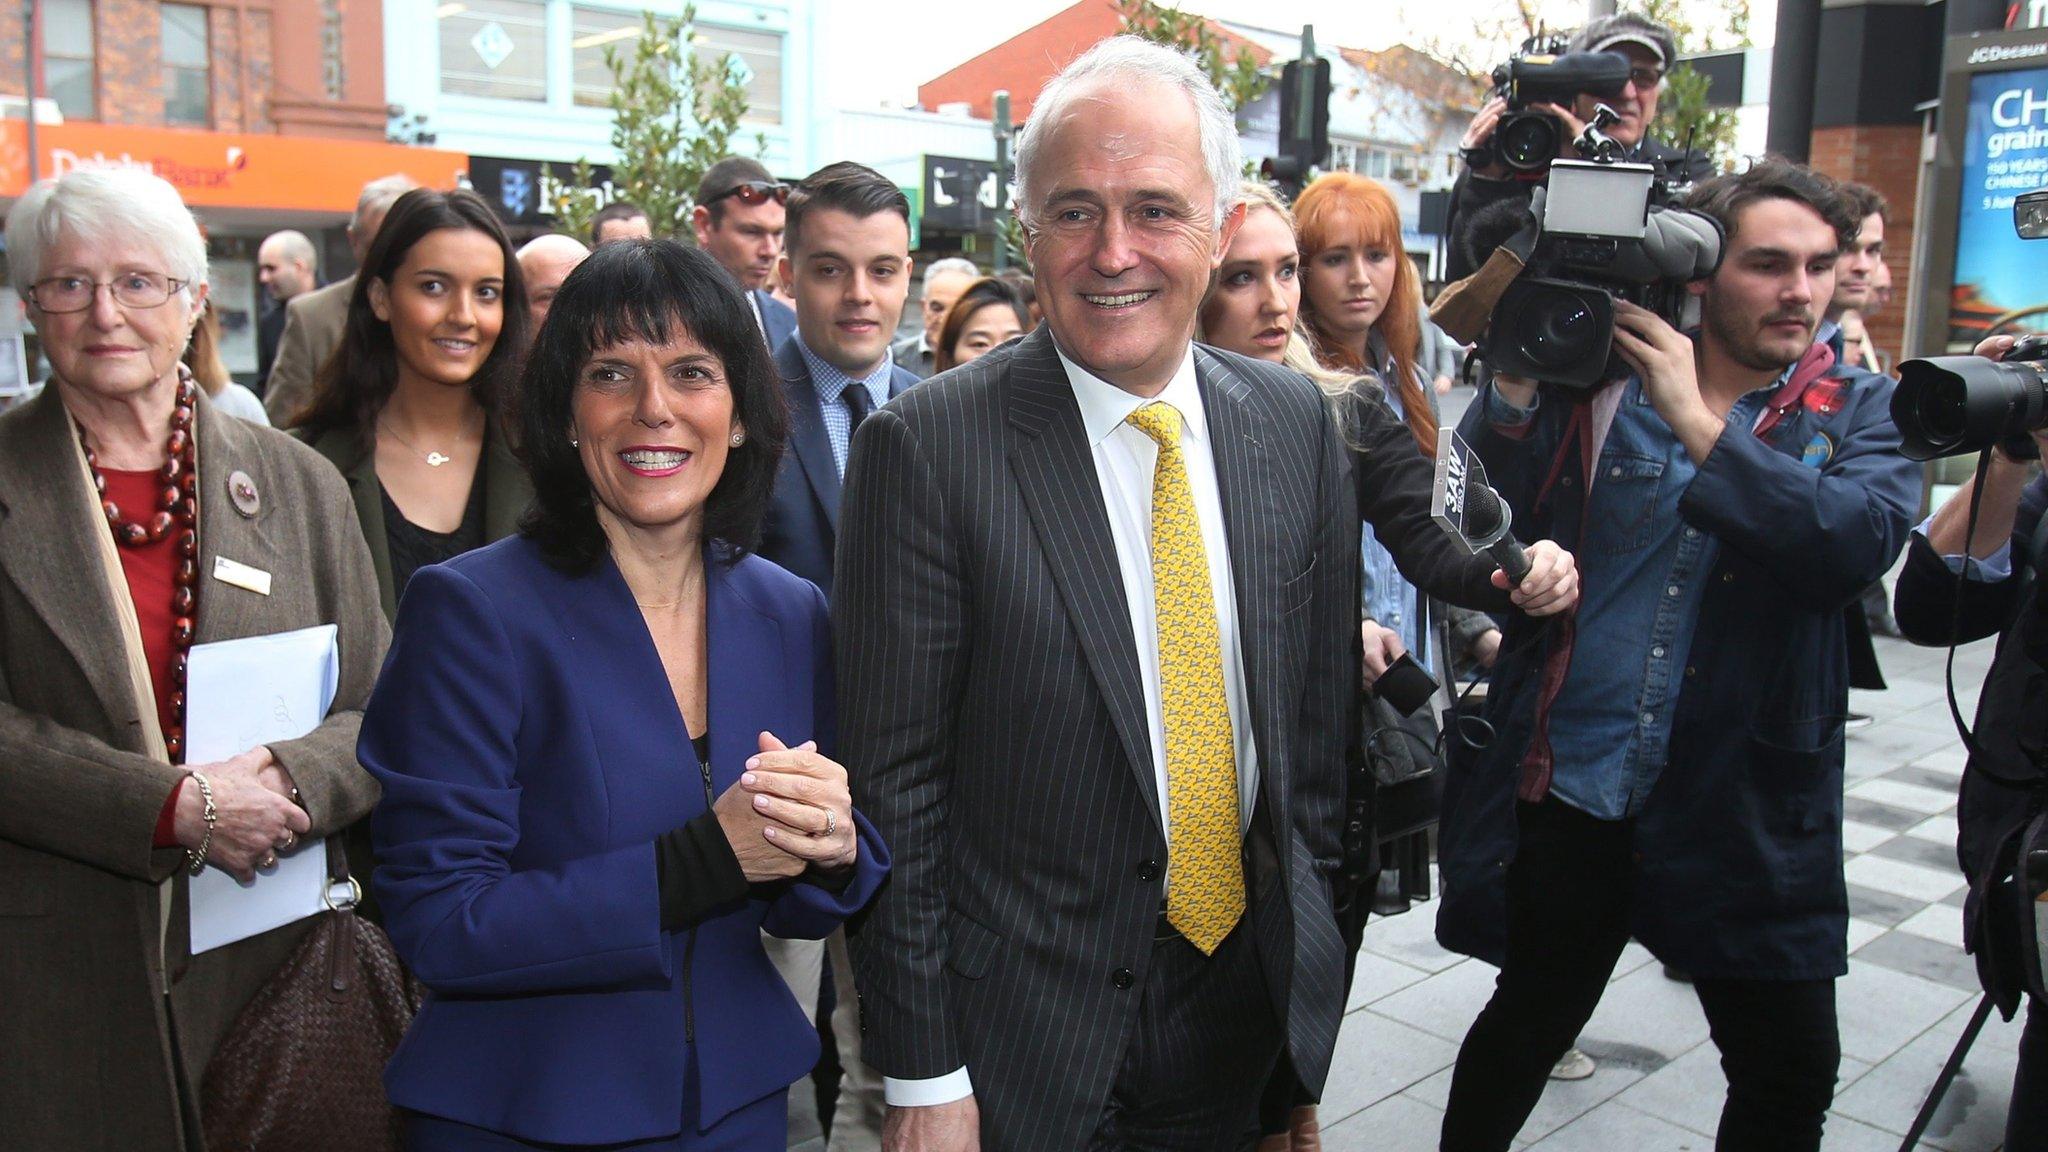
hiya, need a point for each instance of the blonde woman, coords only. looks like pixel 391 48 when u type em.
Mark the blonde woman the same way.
pixel 1252 309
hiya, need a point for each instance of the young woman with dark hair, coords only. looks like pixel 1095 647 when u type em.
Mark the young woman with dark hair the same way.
pixel 989 312
pixel 410 407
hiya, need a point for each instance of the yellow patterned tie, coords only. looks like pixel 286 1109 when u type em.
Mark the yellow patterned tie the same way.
pixel 1205 872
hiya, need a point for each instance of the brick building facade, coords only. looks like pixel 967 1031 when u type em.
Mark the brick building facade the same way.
pixel 293 67
pixel 1887 158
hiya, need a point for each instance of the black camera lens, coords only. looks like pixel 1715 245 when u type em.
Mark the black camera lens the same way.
pixel 1528 141
pixel 1949 405
pixel 1558 329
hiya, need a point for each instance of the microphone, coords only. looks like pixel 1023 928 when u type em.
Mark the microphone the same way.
pixel 1465 506
pixel 1487 520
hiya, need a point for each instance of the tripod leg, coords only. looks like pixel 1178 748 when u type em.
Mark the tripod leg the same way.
pixel 1948 1075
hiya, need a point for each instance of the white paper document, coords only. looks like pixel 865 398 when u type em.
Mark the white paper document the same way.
pixel 238 694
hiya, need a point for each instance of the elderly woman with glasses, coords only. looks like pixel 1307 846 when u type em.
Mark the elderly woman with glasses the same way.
pixel 137 519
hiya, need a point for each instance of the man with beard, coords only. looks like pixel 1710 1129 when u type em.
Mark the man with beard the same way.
pixel 1668 765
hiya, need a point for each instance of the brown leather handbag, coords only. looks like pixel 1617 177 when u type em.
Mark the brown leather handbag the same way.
pixel 302 1068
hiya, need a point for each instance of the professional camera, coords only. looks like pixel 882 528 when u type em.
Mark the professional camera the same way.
pixel 1528 141
pixel 1950 405
pixel 1603 232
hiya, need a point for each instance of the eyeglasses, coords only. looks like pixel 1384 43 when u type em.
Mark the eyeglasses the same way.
pixel 1645 77
pixel 754 193
pixel 61 294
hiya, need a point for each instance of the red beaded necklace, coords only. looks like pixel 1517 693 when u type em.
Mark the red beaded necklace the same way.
pixel 178 508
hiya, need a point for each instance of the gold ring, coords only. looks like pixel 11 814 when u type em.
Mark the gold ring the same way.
pixel 831 821
pixel 269 860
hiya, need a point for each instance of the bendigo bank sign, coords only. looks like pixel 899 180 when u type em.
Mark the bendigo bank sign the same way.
pixel 227 169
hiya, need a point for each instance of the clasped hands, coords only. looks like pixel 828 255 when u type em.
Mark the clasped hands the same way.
pixel 790 811
pixel 255 813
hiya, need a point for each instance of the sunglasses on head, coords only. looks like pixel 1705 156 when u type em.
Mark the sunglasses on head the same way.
pixel 753 193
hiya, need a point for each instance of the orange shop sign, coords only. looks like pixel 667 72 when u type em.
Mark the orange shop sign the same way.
pixel 228 169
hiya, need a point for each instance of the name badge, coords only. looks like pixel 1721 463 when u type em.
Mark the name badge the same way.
pixel 241 575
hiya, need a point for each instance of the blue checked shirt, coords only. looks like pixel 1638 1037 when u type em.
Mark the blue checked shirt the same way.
pixel 832 384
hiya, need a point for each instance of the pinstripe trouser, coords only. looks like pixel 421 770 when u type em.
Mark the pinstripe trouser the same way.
pixel 1205 1042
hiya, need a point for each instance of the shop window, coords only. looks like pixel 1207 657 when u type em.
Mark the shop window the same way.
pixel 592 31
pixel 757 57
pixel 67 57
pixel 495 48
pixel 188 96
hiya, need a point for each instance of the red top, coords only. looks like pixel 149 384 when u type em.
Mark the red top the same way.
pixel 151 571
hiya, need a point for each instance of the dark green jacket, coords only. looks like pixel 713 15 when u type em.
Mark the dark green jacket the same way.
pixel 507 492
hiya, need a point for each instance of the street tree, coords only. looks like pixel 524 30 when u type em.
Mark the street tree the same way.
pixel 1234 71
pixel 676 111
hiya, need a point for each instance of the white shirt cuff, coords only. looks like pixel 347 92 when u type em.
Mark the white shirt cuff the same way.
pixel 945 1089
pixel 1984 569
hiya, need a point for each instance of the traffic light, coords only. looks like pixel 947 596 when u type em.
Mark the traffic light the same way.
pixel 1304 122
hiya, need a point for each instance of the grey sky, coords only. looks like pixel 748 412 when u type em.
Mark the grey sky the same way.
pixel 877 50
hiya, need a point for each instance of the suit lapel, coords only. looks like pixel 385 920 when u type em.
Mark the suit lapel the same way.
pixel 46 548
pixel 359 468
pixel 807 436
pixel 1239 436
pixel 228 452
pixel 507 491
pixel 739 642
pixel 1055 471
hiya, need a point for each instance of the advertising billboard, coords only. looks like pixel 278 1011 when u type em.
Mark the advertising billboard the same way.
pixel 1999 278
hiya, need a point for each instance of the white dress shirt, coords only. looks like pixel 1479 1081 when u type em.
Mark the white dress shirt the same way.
pixel 1124 462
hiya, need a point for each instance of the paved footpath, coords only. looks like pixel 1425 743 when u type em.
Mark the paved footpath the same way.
pixel 1909 991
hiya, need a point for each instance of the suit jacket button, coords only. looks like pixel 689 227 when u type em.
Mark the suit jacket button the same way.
pixel 1122 978
pixel 1148 871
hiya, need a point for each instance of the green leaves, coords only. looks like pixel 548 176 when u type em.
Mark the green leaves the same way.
pixel 676 111
pixel 1235 73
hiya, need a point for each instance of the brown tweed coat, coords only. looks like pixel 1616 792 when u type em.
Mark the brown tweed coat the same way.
pixel 86 1030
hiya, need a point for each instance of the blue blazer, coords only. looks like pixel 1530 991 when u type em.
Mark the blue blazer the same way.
pixel 530 751
pixel 803 518
pixel 778 320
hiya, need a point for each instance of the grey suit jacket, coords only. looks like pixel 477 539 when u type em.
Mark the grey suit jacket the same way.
pixel 908 358
pixel 992 722
pixel 85 1029
pixel 312 331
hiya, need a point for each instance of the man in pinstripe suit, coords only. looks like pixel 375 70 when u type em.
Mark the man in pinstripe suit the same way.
pixel 1095 595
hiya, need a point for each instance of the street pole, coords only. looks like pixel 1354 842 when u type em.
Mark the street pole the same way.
pixel 1002 128
pixel 31 52
pixel 1792 55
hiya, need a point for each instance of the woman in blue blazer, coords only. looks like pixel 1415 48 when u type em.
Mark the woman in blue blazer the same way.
pixel 599 743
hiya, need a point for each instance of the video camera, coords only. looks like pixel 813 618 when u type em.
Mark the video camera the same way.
pixel 1528 141
pixel 1950 405
pixel 1603 231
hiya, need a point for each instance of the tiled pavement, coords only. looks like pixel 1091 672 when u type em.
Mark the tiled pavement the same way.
pixel 1909 991
pixel 1658 1088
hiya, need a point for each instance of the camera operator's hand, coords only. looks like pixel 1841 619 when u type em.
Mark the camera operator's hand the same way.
pixel 1662 357
pixel 1573 126
pixel 1480 131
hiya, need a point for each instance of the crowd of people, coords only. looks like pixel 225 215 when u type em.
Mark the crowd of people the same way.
pixel 1001 705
